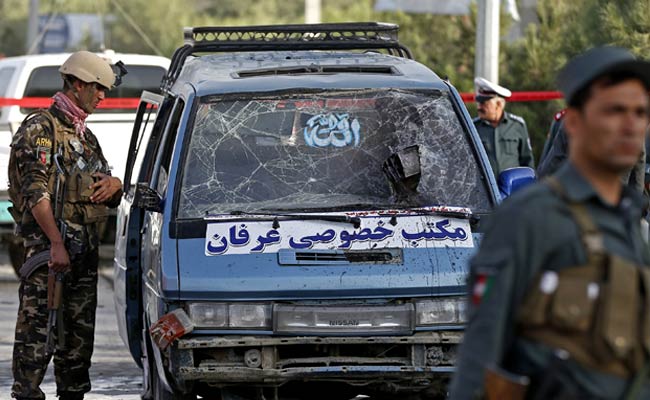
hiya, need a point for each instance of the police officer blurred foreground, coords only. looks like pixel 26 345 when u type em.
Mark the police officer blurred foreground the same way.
pixel 559 292
pixel 504 135
pixel 60 186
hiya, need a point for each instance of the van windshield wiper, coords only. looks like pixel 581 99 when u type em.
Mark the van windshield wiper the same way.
pixel 389 210
pixel 277 217
pixel 474 219
pixel 443 213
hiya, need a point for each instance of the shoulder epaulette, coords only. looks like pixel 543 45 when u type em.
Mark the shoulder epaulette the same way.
pixel 559 115
pixel 517 118
pixel 477 119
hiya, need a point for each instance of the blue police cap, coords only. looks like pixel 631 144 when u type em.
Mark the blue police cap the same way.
pixel 582 70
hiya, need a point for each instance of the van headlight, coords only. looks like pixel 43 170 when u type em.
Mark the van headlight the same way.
pixel 440 311
pixel 230 315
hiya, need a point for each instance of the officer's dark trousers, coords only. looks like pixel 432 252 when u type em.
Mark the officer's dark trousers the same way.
pixel 71 364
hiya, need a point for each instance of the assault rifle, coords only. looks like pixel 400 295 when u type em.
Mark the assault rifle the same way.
pixel 55 279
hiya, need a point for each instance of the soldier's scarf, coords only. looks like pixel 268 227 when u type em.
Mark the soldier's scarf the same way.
pixel 72 111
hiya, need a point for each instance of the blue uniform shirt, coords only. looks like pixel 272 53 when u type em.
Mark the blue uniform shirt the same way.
pixel 531 231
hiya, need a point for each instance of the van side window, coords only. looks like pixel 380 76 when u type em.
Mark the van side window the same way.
pixel 152 142
pixel 165 153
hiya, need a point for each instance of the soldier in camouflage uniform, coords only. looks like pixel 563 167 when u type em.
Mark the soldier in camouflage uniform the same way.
pixel 89 190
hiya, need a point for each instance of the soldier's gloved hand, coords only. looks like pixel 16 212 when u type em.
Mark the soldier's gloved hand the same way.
pixel 59 259
pixel 105 187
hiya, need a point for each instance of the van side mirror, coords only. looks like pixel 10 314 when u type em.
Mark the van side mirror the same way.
pixel 147 198
pixel 513 179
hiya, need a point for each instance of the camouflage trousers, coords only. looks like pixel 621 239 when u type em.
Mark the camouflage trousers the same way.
pixel 71 363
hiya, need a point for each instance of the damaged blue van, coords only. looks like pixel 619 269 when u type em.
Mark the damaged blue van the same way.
pixel 298 210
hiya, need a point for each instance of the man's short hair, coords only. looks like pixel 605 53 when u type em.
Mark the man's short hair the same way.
pixel 583 95
pixel 68 81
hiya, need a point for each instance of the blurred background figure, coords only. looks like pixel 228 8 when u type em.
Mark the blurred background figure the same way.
pixel 556 151
pixel 504 135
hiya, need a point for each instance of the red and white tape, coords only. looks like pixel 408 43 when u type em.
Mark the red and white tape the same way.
pixel 132 102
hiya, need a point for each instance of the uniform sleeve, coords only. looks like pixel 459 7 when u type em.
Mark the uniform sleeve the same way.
pixel 525 149
pixel 114 201
pixel 497 274
pixel 556 155
pixel 33 147
pixel 550 136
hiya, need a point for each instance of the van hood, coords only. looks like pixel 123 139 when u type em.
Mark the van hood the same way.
pixel 285 258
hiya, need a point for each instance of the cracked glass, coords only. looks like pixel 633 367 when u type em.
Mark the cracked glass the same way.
pixel 327 151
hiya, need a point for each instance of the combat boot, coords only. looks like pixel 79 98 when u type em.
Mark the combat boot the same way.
pixel 71 396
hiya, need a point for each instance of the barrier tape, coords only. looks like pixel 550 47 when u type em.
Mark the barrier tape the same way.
pixel 42 102
pixel 132 102
pixel 520 96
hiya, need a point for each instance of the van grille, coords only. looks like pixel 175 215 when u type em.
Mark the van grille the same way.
pixel 385 256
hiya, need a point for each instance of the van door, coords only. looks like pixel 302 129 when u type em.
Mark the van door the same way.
pixel 151 117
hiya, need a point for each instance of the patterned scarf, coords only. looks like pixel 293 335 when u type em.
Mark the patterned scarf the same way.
pixel 72 111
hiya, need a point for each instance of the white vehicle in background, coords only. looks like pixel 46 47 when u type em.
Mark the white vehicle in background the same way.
pixel 37 76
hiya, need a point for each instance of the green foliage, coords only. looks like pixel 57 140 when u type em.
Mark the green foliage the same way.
pixel 566 29
pixel 13 27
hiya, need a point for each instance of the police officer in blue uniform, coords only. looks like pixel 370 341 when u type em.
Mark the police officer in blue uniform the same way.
pixel 560 288
pixel 504 135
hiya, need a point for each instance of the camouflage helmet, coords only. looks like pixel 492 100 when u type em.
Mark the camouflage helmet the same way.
pixel 89 67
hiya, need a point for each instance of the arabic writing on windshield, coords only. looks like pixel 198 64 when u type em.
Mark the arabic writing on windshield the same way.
pixel 325 150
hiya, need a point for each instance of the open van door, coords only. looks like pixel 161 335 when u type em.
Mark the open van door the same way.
pixel 152 114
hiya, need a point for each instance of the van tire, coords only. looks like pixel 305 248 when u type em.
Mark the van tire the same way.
pixel 156 390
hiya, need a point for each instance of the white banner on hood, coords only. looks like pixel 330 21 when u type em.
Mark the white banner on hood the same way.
pixel 246 237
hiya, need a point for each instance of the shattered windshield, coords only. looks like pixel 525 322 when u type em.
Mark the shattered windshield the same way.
pixel 329 151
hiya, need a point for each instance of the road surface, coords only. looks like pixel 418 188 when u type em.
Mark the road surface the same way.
pixel 113 374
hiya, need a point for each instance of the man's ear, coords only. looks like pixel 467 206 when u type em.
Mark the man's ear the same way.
pixel 78 85
pixel 572 122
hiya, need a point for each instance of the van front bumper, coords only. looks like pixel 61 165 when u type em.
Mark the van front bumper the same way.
pixel 408 361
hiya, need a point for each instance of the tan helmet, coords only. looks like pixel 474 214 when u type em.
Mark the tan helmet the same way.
pixel 89 67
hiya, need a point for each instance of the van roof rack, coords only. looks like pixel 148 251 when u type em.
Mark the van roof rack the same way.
pixel 340 36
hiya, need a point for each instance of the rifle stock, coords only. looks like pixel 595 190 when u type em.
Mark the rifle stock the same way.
pixel 55 317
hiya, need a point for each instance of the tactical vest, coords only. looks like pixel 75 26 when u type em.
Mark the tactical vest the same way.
pixel 79 162
pixel 599 312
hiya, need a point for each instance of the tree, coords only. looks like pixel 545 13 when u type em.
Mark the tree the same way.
pixel 13 27
pixel 565 30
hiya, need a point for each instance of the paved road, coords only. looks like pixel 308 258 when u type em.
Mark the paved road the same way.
pixel 113 374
